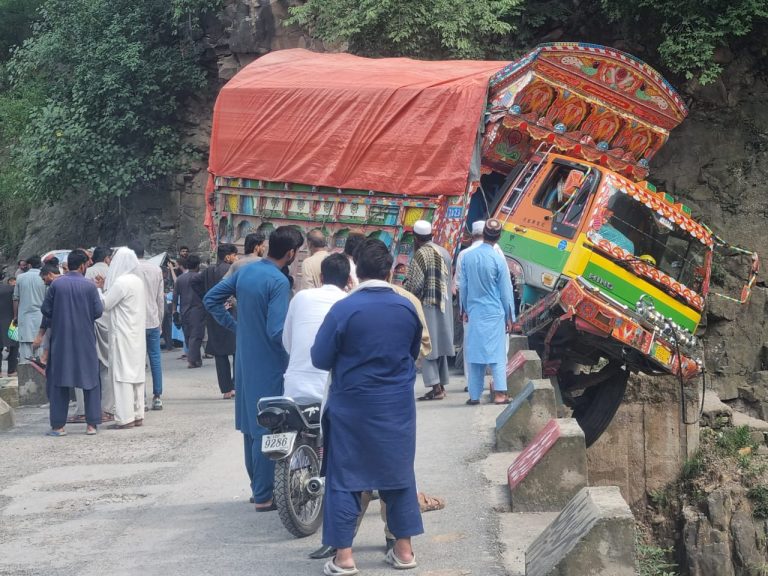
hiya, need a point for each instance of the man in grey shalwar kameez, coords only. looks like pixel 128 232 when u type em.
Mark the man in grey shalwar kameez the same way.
pixel 28 296
pixel 429 279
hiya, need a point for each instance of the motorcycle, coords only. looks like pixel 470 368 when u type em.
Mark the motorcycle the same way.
pixel 295 443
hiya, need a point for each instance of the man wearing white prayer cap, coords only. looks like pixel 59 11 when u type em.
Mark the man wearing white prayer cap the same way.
pixel 477 239
pixel 429 279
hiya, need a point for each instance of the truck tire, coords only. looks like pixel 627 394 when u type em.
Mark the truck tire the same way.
pixel 598 405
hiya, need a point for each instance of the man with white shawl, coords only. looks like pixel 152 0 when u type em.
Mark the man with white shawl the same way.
pixel 125 302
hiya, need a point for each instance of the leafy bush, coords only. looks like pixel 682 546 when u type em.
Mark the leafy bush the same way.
pixel 689 31
pixel 426 28
pixel 759 497
pixel 652 560
pixel 114 75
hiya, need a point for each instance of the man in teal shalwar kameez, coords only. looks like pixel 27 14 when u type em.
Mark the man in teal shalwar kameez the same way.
pixel 262 292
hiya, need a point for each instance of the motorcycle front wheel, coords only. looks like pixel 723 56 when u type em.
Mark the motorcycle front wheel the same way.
pixel 300 512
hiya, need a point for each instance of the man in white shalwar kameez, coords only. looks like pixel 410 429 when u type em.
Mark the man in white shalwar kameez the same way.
pixel 125 302
pixel 306 312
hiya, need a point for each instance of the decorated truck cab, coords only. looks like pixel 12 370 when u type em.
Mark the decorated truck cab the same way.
pixel 611 274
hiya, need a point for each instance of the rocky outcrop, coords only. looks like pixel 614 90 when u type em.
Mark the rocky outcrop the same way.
pixel 647 443
pixel 721 537
pixel 717 163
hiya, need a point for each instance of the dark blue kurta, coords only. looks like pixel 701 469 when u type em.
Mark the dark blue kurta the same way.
pixel 71 306
pixel 263 293
pixel 370 340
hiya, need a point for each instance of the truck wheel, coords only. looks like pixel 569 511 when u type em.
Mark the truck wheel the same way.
pixel 598 405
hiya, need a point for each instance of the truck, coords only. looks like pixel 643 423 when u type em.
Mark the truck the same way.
pixel 611 275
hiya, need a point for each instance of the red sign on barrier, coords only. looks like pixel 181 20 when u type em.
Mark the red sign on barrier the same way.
pixel 515 362
pixel 533 453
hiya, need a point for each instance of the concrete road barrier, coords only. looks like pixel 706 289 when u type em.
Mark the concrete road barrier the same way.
pixel 517 343
pixel 7 416
pixel 523 366
pixel 525 417
pixel 594 534
pixel 9 391
pixel 551 469
pixel 31 386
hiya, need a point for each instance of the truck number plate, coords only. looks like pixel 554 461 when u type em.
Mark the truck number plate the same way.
pixel 454 212
pixel 282 443
pixel 662 354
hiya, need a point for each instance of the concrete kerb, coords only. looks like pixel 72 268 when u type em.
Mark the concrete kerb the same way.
pixel 524 418
pixel 31 386
pixel 7 416
pixel 523 366
pixel 551 469
pixel 594 534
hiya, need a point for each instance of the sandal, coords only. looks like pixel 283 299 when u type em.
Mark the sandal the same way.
pixel 56 433
pixel 430 503
pixel 121 426
pixel 269 508
pixel 76 419
pixel 331 569
pixel 432 395
pixel 392 559
pixel 501 402
pixel 471 402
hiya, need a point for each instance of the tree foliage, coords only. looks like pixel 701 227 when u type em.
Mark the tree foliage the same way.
pixel 425 28
pixel 115 75
pixel 688 32
pixel 683 34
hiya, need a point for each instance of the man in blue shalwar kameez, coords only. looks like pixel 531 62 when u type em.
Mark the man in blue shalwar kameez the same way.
pixel 70 309
pixel 486 298
pixel 370 341
pixel 262 292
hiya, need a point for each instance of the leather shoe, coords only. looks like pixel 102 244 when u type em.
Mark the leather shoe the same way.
pixel 323 552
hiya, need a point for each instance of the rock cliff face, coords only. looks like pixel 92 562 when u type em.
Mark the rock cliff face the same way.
pixel 717 163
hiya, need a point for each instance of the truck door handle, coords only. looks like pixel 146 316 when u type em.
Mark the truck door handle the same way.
pixel 520 230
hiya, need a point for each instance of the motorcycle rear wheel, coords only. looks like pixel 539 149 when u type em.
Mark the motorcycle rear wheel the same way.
pixel 300 513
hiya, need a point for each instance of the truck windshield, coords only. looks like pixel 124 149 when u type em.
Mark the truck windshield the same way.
pixel 654 239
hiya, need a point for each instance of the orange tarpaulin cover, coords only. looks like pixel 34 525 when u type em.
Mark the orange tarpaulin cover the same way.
pixel 390 125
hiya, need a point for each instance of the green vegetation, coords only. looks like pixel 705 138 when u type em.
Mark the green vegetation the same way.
pixel 115 78
pixel 759 497
pixel 424 28
pixel 653 561
pixel 688 31
pixel 685 35
pixel 91 98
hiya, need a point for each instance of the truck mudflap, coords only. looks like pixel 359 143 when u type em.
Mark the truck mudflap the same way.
pixel 593 313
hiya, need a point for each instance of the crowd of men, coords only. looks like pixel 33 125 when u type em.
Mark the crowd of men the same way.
pixel 90 323
pixel 349 320
pixel 343 317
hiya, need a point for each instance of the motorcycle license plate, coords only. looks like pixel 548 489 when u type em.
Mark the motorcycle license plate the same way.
pixel 282 443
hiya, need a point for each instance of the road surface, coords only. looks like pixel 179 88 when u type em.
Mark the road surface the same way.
pixel 171 498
